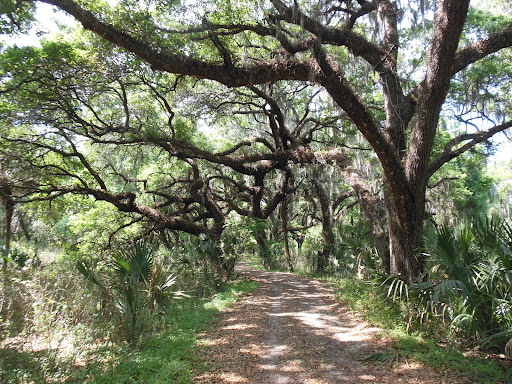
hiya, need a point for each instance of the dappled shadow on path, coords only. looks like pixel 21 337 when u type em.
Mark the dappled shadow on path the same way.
pixel 292 331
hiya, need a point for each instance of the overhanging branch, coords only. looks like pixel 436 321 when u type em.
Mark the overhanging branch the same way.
pixel 472 139
pixel 236 76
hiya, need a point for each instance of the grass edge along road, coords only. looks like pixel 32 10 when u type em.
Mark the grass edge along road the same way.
pixel 163 357
pixel 367 300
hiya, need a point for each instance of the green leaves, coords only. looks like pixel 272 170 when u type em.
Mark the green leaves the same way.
pixel 481 22
pixel 15 16
pixel 139 283
pixel 397 289
pixel 135 261
pixel 476 284
pixel 88 273
pixel 468 285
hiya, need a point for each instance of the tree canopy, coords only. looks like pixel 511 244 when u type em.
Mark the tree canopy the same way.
pixel 296 79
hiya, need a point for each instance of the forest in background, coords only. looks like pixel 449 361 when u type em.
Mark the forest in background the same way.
pixel 153 144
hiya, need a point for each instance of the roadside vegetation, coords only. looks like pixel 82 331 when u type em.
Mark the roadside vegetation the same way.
pixel 62 329
pixel 414 342
pixel 456 318
pixel 147 146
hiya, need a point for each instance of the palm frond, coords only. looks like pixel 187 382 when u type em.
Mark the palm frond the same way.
pixel 139 283
pixel 498 339
pixel 449 290
pixel 464 323
pixel 134 260
pixel 397 289
pixel 87 272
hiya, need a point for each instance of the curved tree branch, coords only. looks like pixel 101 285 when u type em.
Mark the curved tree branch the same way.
pixel 472 139
pixel 481 49
pixel 236 76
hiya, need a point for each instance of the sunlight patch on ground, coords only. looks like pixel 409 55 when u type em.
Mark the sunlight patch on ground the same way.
pixel 277 350
pixel 234 378
pixel 300 337
pixel 240 326
pixel 331 324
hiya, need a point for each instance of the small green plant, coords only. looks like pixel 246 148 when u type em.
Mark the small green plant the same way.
pixel 137 282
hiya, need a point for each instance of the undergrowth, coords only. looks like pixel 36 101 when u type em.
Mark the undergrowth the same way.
pixel 417 344
pixel 161 357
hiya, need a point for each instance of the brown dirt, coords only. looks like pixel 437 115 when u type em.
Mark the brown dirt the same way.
pixel 291 330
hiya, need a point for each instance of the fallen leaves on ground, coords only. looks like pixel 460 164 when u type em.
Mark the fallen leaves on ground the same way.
pixel 291 330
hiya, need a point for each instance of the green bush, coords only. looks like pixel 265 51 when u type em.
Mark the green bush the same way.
pixel 369 300
pixel 135 284
pixel 467 285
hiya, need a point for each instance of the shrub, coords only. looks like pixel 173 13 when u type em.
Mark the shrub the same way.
pixel 467 285
pixel 135 283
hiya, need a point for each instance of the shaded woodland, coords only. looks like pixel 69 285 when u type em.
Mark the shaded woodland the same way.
pixel 150 145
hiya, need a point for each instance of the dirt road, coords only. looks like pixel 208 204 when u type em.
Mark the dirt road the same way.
pixel 291 330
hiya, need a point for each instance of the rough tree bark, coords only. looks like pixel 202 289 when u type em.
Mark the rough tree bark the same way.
pixel 407 210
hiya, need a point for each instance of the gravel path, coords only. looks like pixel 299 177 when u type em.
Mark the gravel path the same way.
pixel 291 330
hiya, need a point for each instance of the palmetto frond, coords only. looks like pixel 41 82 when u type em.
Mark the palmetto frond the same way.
pixel 475 259
pixel 88 273
pixel 138 282
pixel 134 261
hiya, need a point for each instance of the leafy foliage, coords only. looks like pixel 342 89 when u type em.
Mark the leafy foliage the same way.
pixel 15 16
pixel 138 282
pixel 468 281
pixel 367 299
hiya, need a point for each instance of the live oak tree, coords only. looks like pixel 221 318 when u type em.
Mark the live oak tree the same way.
pixel 97 133
pixel 286 118
pixel 246 44
pixel 296 116
pixel 113 134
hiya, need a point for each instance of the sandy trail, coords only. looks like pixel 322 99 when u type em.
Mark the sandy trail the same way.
pixel 291 330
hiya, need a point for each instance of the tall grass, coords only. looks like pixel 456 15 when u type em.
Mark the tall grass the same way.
pixel 48 322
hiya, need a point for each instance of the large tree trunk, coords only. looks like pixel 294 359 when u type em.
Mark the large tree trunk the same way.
pixel 404 242
pixel 406 205
pixel 261 239
pixel 223 267
pixel 259 233
pixel 8 202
